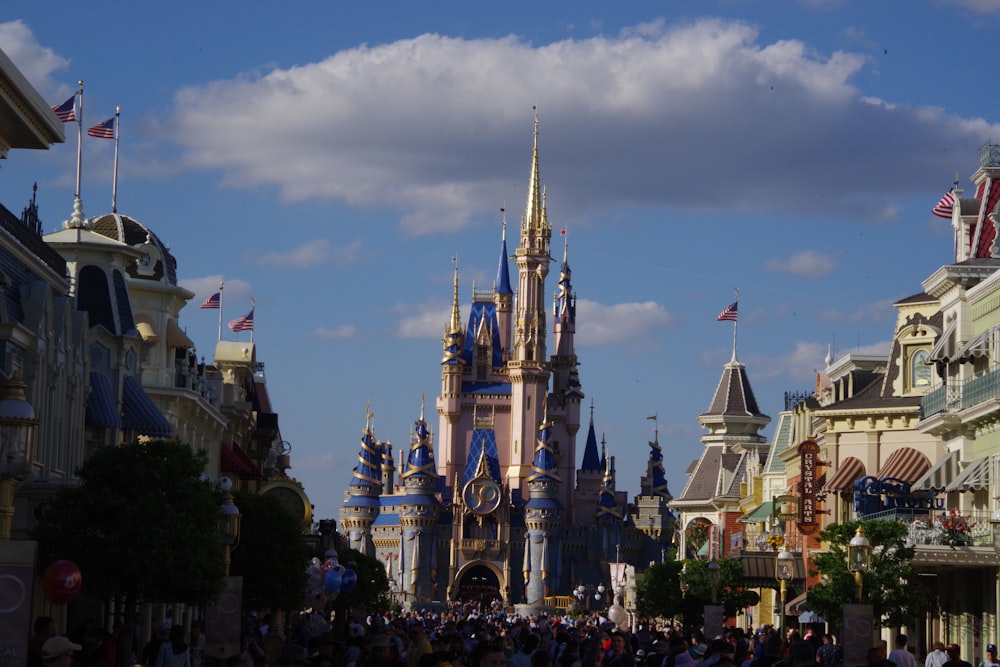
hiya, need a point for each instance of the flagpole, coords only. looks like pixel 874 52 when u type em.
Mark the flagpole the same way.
pixel 221 285
pixel 76 219
pixel 253 313
pixel 736 321
pixel 114 181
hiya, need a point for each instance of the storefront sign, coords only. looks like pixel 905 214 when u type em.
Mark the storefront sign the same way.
pixel 808 464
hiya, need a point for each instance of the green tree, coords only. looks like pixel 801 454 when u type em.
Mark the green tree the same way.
pixel 891 586
pixel 659 590
pixel 142 525
pixel 271 555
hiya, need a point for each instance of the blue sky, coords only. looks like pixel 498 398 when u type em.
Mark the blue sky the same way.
pixel 330 158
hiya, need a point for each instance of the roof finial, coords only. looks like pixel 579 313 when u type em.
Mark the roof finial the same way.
pixel 533 216
pixel 591 412
pixel 565 235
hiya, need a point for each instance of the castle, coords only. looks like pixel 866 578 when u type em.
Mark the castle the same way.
pixel 502 511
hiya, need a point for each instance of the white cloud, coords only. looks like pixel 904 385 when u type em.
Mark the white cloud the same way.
pixel 599 324
pixel 805 264
pixel 234 291
pixel 309 254
pixel 337 333
pixel 404 126
pixel 425 320
pixel 37 63
pixel 799 364
pixel 978 6
pixel 866 312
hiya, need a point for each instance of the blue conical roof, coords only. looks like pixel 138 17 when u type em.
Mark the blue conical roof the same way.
pixel 591 459
pixel 503 273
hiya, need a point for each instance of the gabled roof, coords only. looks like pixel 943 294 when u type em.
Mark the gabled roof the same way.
pixel 716 474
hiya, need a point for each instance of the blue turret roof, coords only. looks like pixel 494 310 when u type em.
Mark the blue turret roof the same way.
pixel 543 467
pixel 607 505
pixel 420 469
pixel 591 459
pixel 368 471
pixel 657 475
pixel 565 307
pixel 503 274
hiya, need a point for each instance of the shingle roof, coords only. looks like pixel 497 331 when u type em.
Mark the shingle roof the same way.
pixel 734 396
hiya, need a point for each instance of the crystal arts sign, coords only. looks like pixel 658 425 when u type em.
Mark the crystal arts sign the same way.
pixel 808 462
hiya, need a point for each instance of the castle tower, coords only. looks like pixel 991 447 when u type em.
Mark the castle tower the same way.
pixel 527 369
pixel 543 520
pixel 362 506
pixel 504 297
pixel 449 403
pixel 418 514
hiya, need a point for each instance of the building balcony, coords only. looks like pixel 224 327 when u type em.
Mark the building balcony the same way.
pixel 931 529
pixel 960 396
pixel 480 549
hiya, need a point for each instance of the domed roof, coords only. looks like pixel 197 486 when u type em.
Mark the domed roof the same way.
pixel 156 264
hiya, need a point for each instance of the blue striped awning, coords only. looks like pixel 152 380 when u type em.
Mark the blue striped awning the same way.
pixel 102 407
pixel 141 414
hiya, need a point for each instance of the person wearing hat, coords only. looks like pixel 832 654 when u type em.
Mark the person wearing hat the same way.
pixel 991 657
pixel 955 657
pixel 58 651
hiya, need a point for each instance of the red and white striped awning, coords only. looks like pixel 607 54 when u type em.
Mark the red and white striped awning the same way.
pixel 906 464
pixel 850 470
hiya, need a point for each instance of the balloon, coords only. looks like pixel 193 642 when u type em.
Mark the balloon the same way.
pixel 617 614
pixel 314 561
pixel 348 581
pixel 329 564
pixel 61 581
pixel 331 581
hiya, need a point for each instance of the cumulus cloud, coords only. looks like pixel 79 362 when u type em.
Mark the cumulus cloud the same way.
pixel 309 254
pixel 600 324
pixel 978 6
pixel 866 312
pixel 799 364
pixel 336 333
pixel 416 126
pixel 425 320
pixel 596 324
pixel 805 264
pixel 37 63
pixel 238 291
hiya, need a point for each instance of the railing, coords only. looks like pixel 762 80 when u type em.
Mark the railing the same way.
pixel 953 397
pixel 926 528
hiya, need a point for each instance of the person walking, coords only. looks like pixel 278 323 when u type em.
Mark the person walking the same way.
pixel 954 652
pixel 991 657
pixel 937 656
pixel 900 656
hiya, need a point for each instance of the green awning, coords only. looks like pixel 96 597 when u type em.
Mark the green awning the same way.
pixel 759 514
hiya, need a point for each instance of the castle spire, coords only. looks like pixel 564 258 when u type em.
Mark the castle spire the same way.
pixel 503 271
pixel 454 336
pixel 534 212
pixel 591 459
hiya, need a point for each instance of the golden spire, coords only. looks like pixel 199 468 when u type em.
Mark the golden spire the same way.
pixel 534 213
pixel 456 317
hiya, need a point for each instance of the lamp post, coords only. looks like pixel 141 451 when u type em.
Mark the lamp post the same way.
pixel 582 593
pixel 859 559
pixel 995 530
pixel 714 579
pixel 784 570
pixel 17 448
pixel 230 519
pixel 685 586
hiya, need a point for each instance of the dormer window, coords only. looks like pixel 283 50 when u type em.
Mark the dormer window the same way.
pixel 920 370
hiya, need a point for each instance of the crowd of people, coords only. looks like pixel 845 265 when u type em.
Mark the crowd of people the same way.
pixel 460 637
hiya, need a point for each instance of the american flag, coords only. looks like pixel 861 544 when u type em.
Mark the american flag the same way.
pixel 943 208
pixel 244 323
pixel 105 130
pixel 214 301
pixel 67 110
pixel 729 312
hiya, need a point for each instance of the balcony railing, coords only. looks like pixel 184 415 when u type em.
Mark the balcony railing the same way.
pixel 954 397
pixel 926 528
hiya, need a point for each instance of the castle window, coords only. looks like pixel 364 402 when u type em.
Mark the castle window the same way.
pixel 482 361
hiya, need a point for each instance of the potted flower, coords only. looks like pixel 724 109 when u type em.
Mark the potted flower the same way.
pixel 955 528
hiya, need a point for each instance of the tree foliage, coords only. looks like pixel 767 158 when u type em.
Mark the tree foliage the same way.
pixel 891 585
pixel 659 590
pixel 271 555
pixel 143 524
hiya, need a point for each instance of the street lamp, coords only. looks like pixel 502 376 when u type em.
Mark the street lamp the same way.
pixel 17 448
pixel 784 570
pixel 685 586
pixel 714 579
pixel 582 593
pixel 859 558
pixel 230 519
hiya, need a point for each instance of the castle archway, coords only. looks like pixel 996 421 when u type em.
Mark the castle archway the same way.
pixel 478 584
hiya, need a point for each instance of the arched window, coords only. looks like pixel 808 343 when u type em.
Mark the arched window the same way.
pixel 920 371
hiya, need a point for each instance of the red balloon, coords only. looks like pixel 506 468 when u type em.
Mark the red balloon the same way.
pixel 62 581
